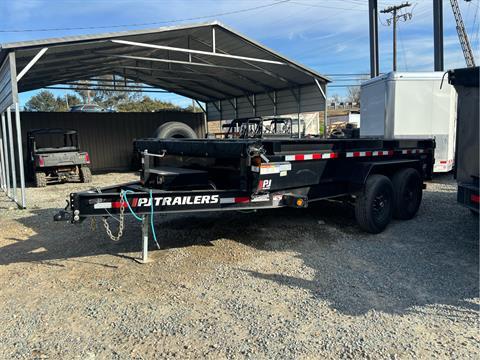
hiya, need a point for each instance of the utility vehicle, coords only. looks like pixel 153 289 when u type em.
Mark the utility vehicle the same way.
pixel 54 156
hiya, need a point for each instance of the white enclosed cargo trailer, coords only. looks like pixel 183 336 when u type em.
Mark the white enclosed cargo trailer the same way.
pixel 411 105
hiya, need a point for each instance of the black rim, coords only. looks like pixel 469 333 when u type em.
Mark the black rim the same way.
pixel 410 194
pixel 381 207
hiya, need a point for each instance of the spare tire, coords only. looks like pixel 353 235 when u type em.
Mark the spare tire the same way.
pixel 175 129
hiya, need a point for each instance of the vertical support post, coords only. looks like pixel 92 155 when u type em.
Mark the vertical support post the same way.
pixel 2 163
pixel 214 46
pixel 20 155
pixel 254 102
pixel 236 107
pixel 3 184
pixel 12 154
pixel 5 152
pixel 299 99
pixel 394 39
pixel 275 102
pixel 145 227
pixel 438 34
pixel 325 109
pixel 373 22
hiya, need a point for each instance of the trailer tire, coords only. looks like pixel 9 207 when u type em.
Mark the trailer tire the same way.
pixel 40 179
pixel 374 206
pixel 85 174
pixel 407 193
pixel 175 129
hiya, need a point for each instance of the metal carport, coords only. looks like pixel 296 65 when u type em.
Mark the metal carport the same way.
pixel 210 63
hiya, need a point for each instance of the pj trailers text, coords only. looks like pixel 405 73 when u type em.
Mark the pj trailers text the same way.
pixel 382 178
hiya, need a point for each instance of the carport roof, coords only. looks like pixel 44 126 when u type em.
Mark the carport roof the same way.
pixel 205 62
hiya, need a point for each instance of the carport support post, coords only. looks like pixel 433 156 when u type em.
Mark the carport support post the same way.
pixel 20 155
pixel 12 154
pixel 3 176
pixel 3 184
pixel 5 152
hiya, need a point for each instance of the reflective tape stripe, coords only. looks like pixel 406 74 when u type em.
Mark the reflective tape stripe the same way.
pixel 315 156
pixel 235 200
pixel 102 206
pixel 413 151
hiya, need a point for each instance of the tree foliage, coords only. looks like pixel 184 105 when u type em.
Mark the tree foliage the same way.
pixel 147 104
pixel 120 101
pixel 104 94
pixel 353 94
pixel 46 101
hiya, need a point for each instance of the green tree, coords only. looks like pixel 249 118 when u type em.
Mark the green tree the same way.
pixel 46 101
pixel 146 104
pixel 43 101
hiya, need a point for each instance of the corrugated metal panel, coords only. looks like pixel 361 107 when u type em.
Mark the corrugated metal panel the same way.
pixel 108 137
pixel 8 82
pixel 244 109
pixel 212 111
pixel 310 98
pixel 228 111
pixel 264 105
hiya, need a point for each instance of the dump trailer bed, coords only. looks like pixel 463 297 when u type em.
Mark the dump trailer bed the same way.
pixel 466 82
pixel 190 175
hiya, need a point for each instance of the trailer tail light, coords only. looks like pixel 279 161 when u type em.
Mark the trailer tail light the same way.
pixel 256 161
pixel 87 158
pixel 475 198
pixel 41 161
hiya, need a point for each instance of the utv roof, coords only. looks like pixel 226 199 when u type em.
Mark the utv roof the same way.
pixel 52 131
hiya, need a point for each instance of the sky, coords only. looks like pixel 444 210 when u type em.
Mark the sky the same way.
pixel 329 36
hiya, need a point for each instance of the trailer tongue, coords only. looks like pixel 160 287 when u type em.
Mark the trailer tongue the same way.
pixel 383 178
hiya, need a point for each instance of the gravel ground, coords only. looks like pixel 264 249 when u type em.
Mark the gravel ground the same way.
pixel 274 284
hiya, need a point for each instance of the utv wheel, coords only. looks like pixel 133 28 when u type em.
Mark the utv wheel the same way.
pixel 407 193
pixel 374 206
pixel 40 179
pixel 85 174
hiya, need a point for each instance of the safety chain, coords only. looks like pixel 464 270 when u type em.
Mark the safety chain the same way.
pixel 121 221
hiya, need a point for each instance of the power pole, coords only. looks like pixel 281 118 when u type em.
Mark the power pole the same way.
pixel 395 17
pixel 373 27
pixel 438 34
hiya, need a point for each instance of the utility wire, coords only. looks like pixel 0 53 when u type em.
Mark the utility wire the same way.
pixel 149 23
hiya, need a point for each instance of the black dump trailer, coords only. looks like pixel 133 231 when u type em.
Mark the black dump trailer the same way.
pixel 466 147
pixel 381 178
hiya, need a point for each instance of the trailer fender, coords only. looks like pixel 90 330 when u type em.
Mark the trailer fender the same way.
pixel 356 174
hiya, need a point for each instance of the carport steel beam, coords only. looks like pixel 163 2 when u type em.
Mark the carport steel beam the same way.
pixel 191 51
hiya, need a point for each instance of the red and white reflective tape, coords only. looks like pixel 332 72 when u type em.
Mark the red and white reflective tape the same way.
pixel 235 200
pixel 413 151
pixel 316 156
pixel 369 153
pixel 115 204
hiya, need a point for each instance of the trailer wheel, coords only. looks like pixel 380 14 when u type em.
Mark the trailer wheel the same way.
pixel 40 179
pixel 85 174
pixel 175 129
pixel 407 192
pixel 374 206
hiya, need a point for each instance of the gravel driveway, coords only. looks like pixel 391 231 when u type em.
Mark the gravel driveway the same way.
pixel 288 283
